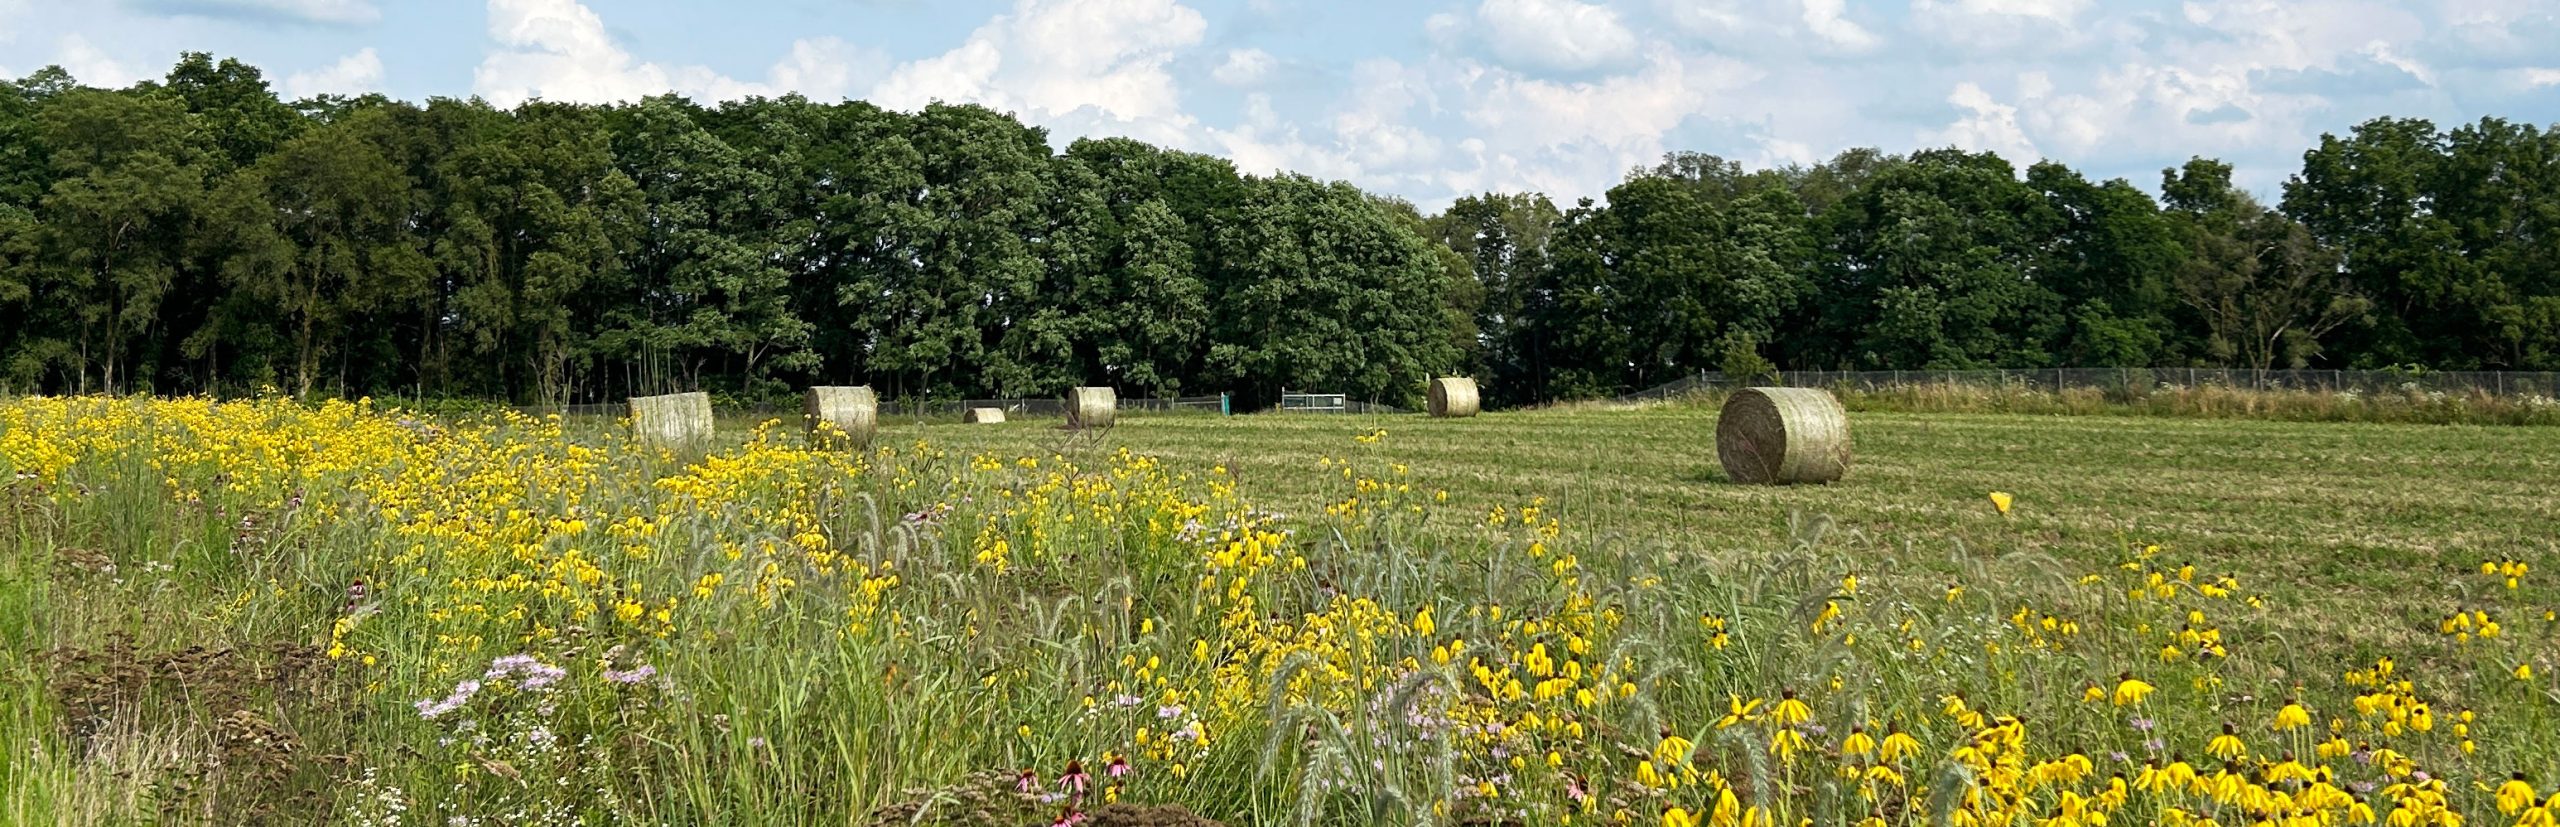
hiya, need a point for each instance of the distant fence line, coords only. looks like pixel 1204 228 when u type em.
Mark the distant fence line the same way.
pixel 1050 406
pixel 2497 383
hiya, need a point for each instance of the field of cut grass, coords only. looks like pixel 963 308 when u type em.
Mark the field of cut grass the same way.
pixel 2353 515
pixel 270 612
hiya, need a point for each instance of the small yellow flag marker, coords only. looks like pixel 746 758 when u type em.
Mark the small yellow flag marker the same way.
pixel 2000 500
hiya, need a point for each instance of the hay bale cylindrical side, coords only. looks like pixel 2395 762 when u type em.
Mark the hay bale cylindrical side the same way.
pixel 848 413
pixel 1092 408
pixel 983 416
pixel 1783 436
pixel 676 421
pixel 1453 396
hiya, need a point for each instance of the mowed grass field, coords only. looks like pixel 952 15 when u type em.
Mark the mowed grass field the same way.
pixel 2359 518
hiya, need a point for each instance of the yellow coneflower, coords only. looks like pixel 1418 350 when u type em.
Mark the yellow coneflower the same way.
pixel 2524 671
pixel 1790 711
pixel 2181 775
pixel 2227 745
pixel 1674 750
pixel 1728 810
pixel 1896 746
pixel 2130 690
pixel 2291 716
pixel 1739 711
pixel 1678 817
pixel 2150 779
pixel 1858 744
pixel 2515 795
pixel 1785 743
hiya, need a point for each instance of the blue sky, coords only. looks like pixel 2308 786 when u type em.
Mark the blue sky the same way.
pixel 1431 99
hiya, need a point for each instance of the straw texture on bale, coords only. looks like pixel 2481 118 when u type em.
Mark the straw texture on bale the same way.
pixel 675 421
pixel 1783 436
pixel 983 416
pixel 848 413
pixel 1453 396
pixel 1092 408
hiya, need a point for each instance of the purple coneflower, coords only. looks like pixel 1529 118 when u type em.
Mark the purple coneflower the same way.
pixel 1075 779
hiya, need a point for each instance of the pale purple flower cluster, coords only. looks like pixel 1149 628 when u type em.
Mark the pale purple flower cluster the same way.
pixel 432 708
pixel 530 672
pixel 638 675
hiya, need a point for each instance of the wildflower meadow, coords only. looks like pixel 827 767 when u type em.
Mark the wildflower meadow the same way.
pixel 272 612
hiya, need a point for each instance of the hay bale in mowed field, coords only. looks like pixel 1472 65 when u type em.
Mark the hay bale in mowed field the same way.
pixel 852 412
pixel 675 421
pixel 1453 396
pixel 1783 436
pixel 983 416
pixel 1092 408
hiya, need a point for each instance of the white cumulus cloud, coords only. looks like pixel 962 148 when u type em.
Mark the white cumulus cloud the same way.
pixel 1245 67
pixel 1579 137
pixel 1829 19
pixel 560 50
pixel 1084 66
pixel 1555 34
pixel 92 66
pixel 1986 125
pixel 354 74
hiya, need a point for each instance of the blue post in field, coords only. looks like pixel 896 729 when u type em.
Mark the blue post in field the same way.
pixel 1222 405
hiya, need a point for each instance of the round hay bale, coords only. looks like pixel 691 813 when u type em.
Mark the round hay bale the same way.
pixel 983 416
pixel 848 413
pixel 1783 436
pixel 1092 408
pixel 1453 396
pixel 676 421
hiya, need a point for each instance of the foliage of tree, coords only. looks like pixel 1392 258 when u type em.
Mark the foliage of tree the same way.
pixel 196 233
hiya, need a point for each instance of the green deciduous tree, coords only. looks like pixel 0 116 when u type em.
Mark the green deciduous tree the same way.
pixel 2265 289
pixel 111 234
pixel 1321 287
pixel 1931 264
pixel 323 233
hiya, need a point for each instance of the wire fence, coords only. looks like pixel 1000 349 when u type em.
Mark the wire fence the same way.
pixel 953 408
pixel 920 408
pixel 2139 380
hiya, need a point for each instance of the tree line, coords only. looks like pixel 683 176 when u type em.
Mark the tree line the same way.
pixel 199 234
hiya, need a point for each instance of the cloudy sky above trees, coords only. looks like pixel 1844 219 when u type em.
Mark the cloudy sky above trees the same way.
pixel 1430 99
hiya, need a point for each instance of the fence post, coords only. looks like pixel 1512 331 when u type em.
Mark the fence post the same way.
pixel 1223 410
